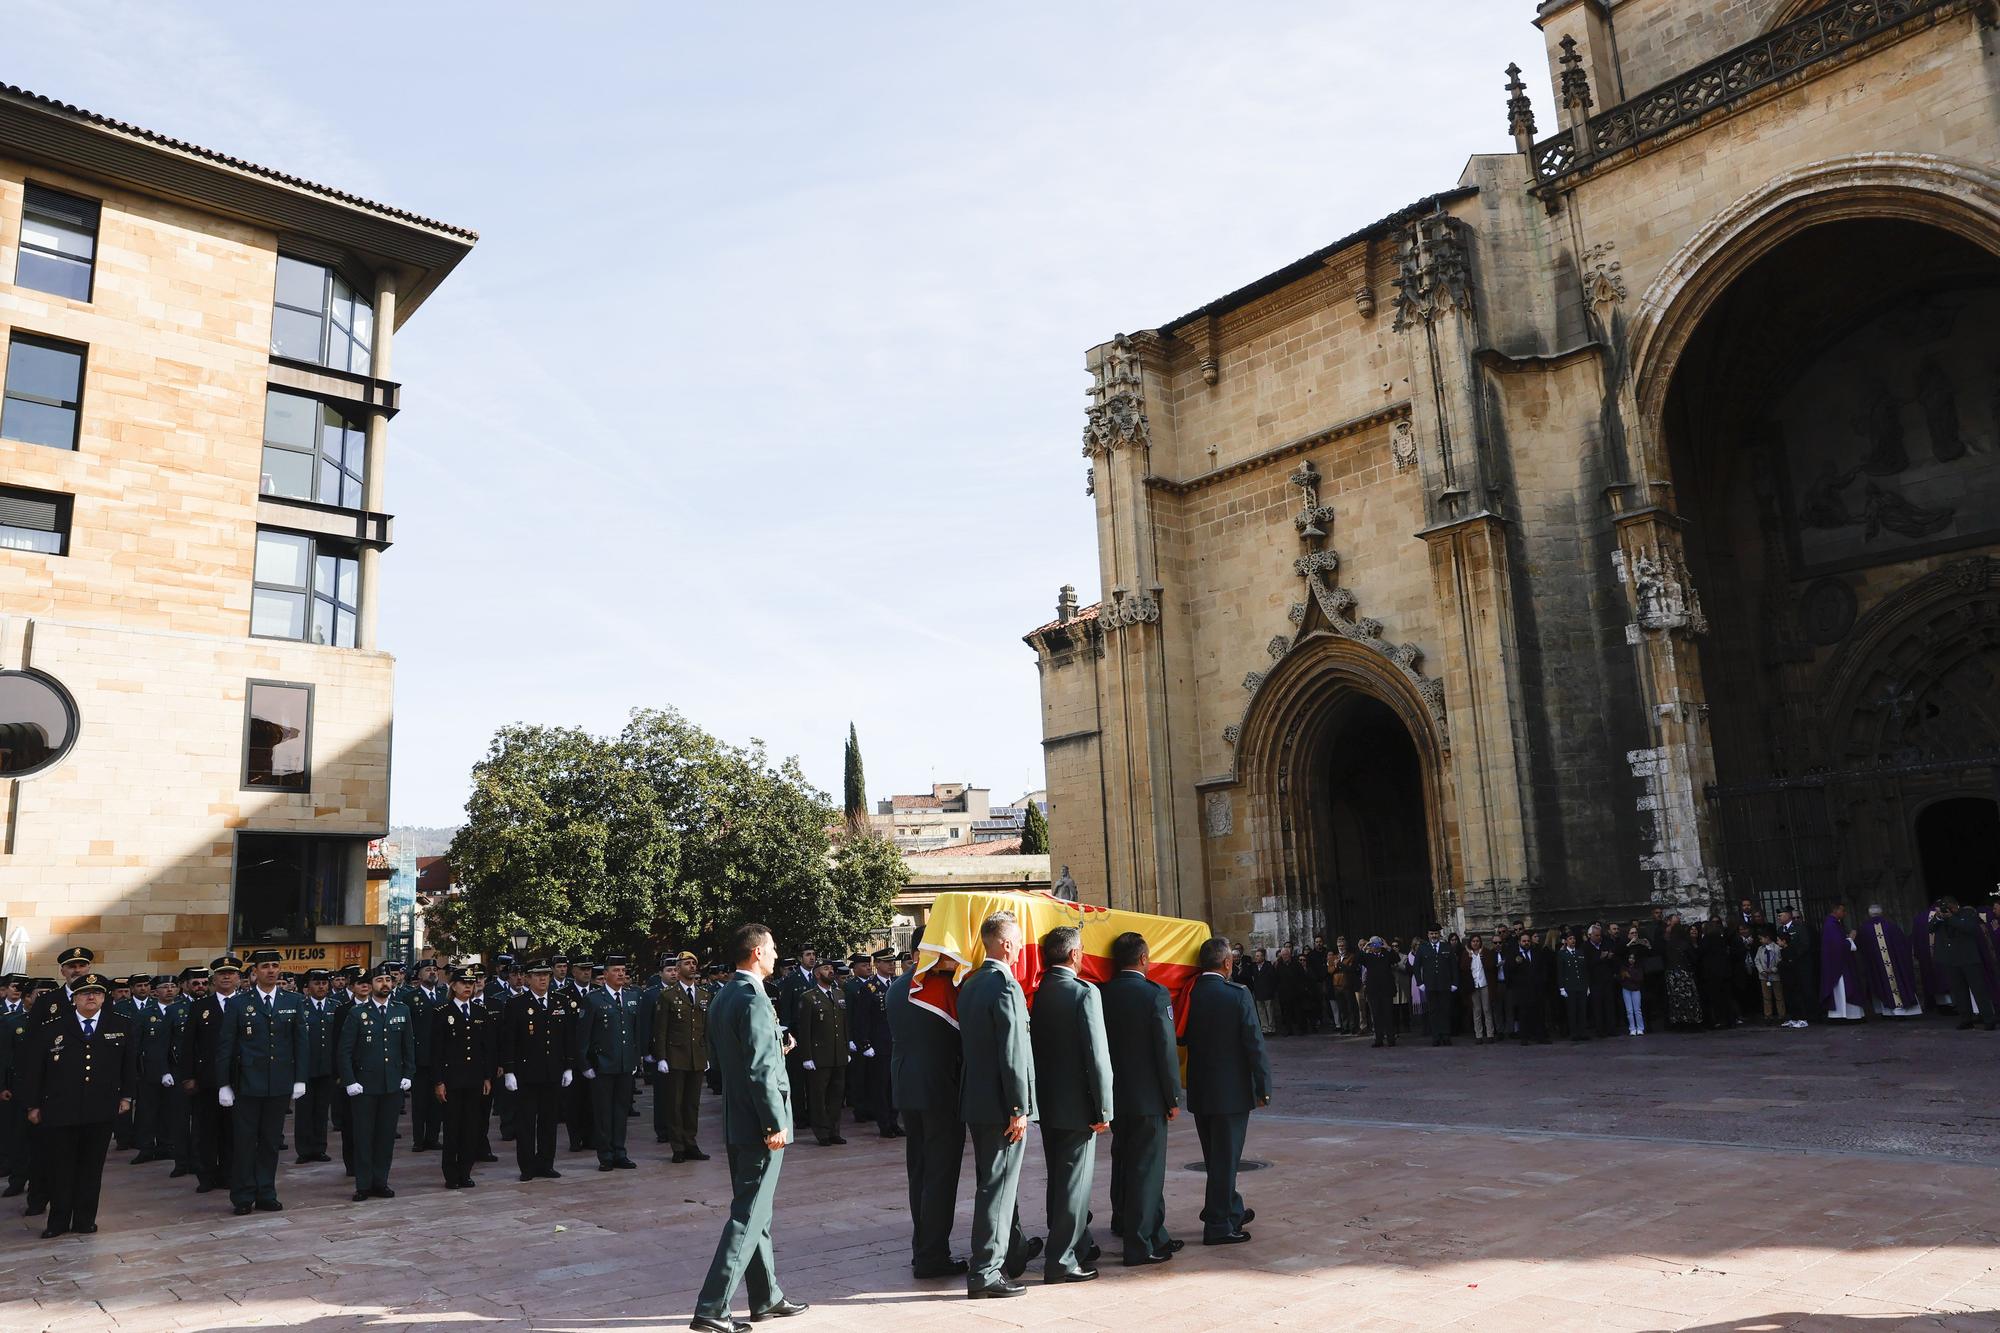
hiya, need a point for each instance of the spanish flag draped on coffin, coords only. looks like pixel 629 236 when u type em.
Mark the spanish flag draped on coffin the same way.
pixel 953 932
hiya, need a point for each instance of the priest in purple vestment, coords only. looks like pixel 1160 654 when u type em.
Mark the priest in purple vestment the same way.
pixel 1841 989
pixel 1889 967
pixel 1930 977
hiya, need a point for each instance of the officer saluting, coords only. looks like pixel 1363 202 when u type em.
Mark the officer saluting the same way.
pixel 80 1075
pixel 374 1062
pixel 534 1050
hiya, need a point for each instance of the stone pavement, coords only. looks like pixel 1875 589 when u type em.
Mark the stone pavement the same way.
pixel 1567 1206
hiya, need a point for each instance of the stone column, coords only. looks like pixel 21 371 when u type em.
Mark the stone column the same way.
pixel 372 489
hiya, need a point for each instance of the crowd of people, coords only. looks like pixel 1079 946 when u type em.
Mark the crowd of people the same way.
pixel 1603 979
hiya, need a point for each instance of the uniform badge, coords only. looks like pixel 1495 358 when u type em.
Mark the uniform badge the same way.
pixel 451 1020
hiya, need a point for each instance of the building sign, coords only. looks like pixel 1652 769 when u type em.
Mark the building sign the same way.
pixel 299 957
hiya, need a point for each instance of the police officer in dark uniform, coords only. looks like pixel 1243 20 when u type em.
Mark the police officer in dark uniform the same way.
pixel 534 1060
pixel 821 1029
pixel 200 1075
pixel 350 990
pixel 462 1045
pixel 258 1062
pixel 423 998
pixel 74 964
pixel 175 1108
pixel 869 1017
pixel 14 1029
pixel 374 1063
pixel 309 1114
pixel 576 1098
pixel 154 1035
pixel 790 986
pixel 80 1073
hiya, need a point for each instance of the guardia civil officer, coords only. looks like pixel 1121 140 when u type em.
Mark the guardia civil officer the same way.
pixel 1228 1074
pixel 1073 1091
pixel 680 1054
pixel 176 1105
pixel 14 1029
pixel 997 1099
pixel 462 1047
pixel 923 1070
pixel 150 1131
pixel 375 1060
pixel 819 1022
pixel 1146 1085
pixel 200 1073
pixel 869 1018
pixel 311 1110
pixel 81 1069
pixel 423 997
pixel 257 1060
pixel 605 1047
pixel 745 1043
pixel 534 1060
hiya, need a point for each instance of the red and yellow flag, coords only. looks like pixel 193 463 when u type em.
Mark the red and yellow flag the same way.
pixel 953 932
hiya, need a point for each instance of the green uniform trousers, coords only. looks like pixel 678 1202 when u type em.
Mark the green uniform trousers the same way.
pixel 828 1091
pixel 1221 1154
pixel 1139 1184
pixel 744 1252
pixel 933 1151
pixel 996 1176
pixel 1072 1161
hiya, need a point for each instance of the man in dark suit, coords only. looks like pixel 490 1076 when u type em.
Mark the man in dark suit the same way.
pixel 923 1072
pixel 1073 1087
pixel 605 1046
pixel 1378 980
pixel 374 1061
pixel 463 1058
pixel 1228 1075
pixel 745 1044
pixel 201 1076
pixel 310 1112
pixel 1530 976
pixel 1437 973
pixel 257 1061
pixel 1146 1086
pixel 679 1052
pixel 1956 933
pixel 78 1078
pixel 534 1059
pixel 997 1099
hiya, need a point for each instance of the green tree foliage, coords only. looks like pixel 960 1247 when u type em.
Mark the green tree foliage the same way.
pixel 660 838
pixel 1035 833
pixel 854 788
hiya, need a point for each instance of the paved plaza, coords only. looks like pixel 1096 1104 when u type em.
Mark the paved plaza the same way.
pixel 1757 1179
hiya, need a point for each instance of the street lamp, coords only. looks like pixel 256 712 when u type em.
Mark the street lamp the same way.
pixel 520 942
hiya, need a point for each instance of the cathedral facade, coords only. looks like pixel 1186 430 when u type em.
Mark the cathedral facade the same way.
pixel 1620 527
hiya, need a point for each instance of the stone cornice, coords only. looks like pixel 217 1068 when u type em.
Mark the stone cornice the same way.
pixel 1278 453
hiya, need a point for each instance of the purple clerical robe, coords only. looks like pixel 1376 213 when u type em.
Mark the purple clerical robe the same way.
pixel 1837 963
pixel 1889 966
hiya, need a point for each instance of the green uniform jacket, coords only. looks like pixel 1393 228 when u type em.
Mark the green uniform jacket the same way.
pixel 1955 939
pixel 1228 1073
pixel 1072 1057
pixel 422 1007
pixel 820 1024
pixel 377 1048
pixel 607 1032
pixel 1139 1022
pixel 999 1068
pixel 1437 969
pixel 680 1028
pixel 748 1051
pixel 260 1053
pixel 923 1054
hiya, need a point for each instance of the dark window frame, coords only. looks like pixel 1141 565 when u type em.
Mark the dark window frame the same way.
pixel 68 701
pixel 95 207
pixel 350 422
pixel 315 548
pixel 75 409
pixel 328 322
pixel 310 926
pixel 305 782
pixel 65 504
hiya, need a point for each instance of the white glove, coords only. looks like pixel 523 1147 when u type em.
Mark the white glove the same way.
pixel 850 1048
pixel 567 1079
pixel 1563 993
pixel 225 1096
pixel 663 1066
pixel 354 1089
pixel 811 1065
pixel 403 1085
pixel 166 1080
pixel 869 1053
pixel 512 1084
pixel 590 1073
pixel 298 1091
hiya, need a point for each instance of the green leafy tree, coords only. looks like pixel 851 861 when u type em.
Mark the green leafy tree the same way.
pixel 854 788
pixel 1035 833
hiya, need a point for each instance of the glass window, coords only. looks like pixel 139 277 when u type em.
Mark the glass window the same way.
pixel 287 886
pixel 306 589
pixel 44 392
pixel 34 521
pixel 278 736
pixel 58 243
pixel 318 316
pixel 37 722
pixel 311 451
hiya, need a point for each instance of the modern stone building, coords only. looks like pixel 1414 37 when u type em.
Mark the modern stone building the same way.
pixel 1614 527
pixel 195 714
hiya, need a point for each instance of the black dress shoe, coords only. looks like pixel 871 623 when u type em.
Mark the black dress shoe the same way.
pixel 453 1184
pixel 695 1155
pixel 527 1175
pixel 995 1290
pixel 203 1188
pixel 269 1206
pixel 87 1229
pixel 836 1139
pixel 1147 1259
pixel 1234 1238
pixel 782 1310
pixel 144 1158
pixel 1249 1216
pixel 174 1174
pixel 1074 1275
pixel 384 1193
pixel 550 1175
pixel 486 1157
pixel 606 1166
pixel 956 1268
pixel 242 1210
pixel 35 1210
pixel 50 1233
pixel 1096 1252
pixel 626 1164
pixel 360 1196
pixel 679 1157
pixel 703 1324
pixel 467 1182
pixel 1176 1246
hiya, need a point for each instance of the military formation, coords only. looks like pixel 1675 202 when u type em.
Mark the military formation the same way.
pixel 220 1070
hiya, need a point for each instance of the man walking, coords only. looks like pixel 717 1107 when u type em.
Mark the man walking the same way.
pixel 375 1061
pixel 745 1044
pixel 997 1098
pixel 923 1070
pixel 1228 1074
pixel 1146 1088
pixel 680 1055
pixel 258 1062
pixel 606 1048
pixel 1073 1083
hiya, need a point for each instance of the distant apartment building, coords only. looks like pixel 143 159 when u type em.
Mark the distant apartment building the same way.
pixel 954 814
pixel 195 710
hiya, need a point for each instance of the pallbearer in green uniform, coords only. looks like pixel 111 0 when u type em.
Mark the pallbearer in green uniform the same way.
pixel 1146 1087
pixel 924 1081
pixel 80 1070
pixel 680 1053
pixel 997 1099
pixel 258 1063
pixel 1073 1088
pixel 820 1024
pixel 1228 1075
pixel 374 1062
pixel 745 1044
pixel 534 1062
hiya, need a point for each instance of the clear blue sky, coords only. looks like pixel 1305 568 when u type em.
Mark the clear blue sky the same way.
pixel 761 396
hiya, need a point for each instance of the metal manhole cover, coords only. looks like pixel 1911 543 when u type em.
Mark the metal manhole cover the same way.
pixel 1247 1164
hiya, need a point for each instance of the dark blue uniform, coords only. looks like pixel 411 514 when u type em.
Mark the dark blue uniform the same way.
pixel 462 1047
pixel 534 1048
pixel 77 1072
pixel 196 1069
pixel 151 1128
pixel 606 1044
pixel 309 1116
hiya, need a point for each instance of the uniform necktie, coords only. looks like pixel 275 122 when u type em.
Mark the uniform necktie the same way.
pixel 89 1026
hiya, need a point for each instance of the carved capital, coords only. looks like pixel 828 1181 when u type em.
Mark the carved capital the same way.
pixel 1434 271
